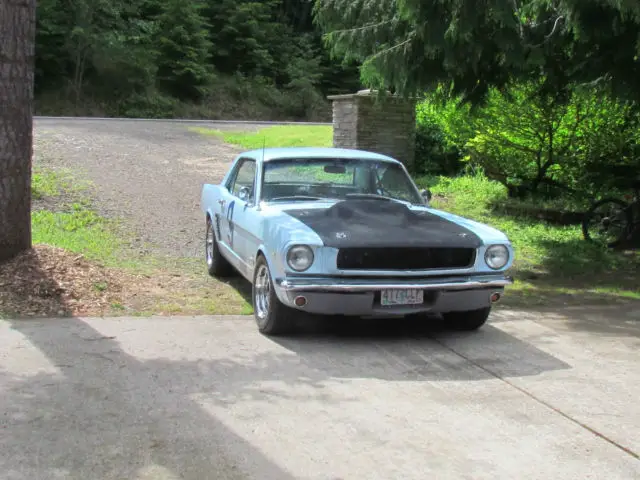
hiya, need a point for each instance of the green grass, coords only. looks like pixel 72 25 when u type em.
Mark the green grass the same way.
pixel 47 183
pixel 79 230
pixel 75 227
pixel 550 260
pixel 65 219
pixel 278 136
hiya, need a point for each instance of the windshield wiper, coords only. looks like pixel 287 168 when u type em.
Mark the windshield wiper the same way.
pixel 373 196
pixel 296 197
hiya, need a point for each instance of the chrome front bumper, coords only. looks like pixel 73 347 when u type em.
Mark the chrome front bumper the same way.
pixel 361 297
pixel 337 284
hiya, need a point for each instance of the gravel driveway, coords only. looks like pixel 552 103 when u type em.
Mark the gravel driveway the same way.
pixel 148 173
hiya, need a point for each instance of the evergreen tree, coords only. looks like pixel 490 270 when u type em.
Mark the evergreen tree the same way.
pixel 184 68
pixel 471 45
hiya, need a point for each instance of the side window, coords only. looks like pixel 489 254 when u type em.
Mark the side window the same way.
pixel 245 177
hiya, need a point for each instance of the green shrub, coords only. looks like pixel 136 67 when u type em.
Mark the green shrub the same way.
pixel 535 144
pixel 440 136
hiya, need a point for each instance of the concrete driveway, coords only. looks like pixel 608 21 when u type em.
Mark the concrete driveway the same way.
pixel 534 395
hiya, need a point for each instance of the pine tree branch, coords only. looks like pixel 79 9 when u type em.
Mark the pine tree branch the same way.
pixel 553 31
pixel 394 47
pixel 360 29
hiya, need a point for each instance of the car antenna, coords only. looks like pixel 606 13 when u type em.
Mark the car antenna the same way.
pixel 264 145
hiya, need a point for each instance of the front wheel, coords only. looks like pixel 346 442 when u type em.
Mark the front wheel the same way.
pixel 607 222
pixel 271 315
pixel 467 321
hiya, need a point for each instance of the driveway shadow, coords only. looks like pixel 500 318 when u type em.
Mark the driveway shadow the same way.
pixel 242 286
pixel 412 349
pixel 111 415
pixel 621 321
pixel 150 411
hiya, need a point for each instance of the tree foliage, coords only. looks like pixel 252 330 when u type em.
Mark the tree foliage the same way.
pixel 142 56
pixel 184 49
pixel 536 146
pixel 474 45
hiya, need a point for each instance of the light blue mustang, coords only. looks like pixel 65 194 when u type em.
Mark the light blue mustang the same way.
pixel 347 232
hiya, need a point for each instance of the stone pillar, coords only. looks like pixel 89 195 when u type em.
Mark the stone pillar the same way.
pixel 384 125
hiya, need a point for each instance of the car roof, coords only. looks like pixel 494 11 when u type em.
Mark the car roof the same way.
pixel 269 154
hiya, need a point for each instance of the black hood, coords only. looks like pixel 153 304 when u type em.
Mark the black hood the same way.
pixel 380 223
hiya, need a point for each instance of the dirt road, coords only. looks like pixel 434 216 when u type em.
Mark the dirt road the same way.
pixel 532 396
pixel 148 173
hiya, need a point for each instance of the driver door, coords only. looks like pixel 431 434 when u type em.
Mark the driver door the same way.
pixel 241 193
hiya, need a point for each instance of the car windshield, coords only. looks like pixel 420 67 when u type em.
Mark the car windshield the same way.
pixel 336 178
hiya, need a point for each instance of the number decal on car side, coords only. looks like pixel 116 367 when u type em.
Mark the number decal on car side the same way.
pixel 229 217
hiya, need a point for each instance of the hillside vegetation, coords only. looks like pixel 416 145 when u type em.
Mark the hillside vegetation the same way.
pixel 232 59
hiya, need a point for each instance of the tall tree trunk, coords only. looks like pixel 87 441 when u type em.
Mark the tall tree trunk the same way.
pixel 17 45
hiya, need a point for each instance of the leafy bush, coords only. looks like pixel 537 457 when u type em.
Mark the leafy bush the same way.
pixel 535 144
pixel 438 148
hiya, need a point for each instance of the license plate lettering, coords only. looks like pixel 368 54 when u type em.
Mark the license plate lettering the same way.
pixel 401 297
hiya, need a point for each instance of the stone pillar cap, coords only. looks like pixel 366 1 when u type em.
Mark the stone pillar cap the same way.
pixel 363 93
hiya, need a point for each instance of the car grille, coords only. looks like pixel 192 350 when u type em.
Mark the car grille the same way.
pixel 409 258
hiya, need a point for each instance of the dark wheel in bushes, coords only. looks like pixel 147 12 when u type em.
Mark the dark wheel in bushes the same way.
pixel 607 222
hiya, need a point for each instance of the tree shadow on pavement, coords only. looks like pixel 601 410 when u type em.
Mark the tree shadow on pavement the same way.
pixel 104 413
pixel 154 398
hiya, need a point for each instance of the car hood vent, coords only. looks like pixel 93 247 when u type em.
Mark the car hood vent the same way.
pixel 379 223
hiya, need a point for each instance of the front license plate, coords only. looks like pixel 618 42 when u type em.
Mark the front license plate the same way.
pixel 401 297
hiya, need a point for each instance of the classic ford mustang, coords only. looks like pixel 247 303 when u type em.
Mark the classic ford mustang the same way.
pixel 347 232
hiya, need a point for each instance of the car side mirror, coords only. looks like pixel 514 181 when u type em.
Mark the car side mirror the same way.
pixel 426 194
pixel 244 194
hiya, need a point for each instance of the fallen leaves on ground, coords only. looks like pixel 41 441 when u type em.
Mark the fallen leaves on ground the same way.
pixel 47 281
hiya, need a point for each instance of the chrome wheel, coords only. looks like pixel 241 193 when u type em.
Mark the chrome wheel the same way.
pixel 209 243
pixel 262 292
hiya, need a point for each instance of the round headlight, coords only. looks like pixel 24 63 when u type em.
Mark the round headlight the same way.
pixel 300 257
pixel 496 256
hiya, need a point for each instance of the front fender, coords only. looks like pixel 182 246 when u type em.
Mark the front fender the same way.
pixel 209 199
pixel 280 231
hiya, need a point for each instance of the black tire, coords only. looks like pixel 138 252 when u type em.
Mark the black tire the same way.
pixel 467 321
pixel 217 265
pixel 625 220
pixel 271 315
